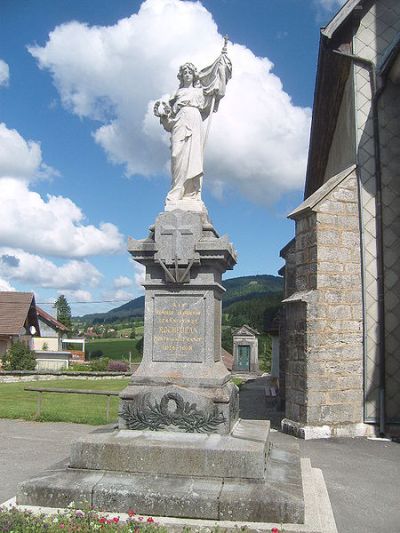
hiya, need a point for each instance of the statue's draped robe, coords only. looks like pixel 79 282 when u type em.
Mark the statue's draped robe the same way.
pixel 190 106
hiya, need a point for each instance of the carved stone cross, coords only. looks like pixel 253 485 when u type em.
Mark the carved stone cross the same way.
pixel 177 242
pixel 176 235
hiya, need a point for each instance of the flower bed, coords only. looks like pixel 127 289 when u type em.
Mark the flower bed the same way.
pixel 72 520
pixel 13 520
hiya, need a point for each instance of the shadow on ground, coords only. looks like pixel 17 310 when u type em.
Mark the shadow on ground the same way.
pixel 253 404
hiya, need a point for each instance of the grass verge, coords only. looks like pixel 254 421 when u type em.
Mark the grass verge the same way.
pixel 115 348
pixel 79 408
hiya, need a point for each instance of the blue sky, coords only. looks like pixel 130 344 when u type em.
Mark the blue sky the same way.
pixel 84 164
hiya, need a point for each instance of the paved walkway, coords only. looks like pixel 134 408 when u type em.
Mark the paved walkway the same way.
pixel 27 448
pixel 362 476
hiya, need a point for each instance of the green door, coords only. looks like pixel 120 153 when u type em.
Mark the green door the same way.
pixel 244 358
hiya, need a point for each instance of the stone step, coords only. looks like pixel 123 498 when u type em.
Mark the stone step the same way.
pixel 278 499
pixel 242 454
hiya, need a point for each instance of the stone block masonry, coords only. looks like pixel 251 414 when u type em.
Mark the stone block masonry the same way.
pixel 323 344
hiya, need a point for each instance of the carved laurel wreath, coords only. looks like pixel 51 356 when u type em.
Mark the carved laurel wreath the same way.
pixel 158 416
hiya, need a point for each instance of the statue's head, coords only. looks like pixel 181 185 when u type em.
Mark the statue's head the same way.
pixel 183 73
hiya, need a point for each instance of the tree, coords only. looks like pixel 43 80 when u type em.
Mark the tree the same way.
pixel 63 311
pixel 19 357
pixel 133 333
pixel 139 345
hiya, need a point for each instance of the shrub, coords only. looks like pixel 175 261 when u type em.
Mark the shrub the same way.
pixel 19 357
pixel 79 367
pixel 99 365
pixel 117 366
pixel 96 354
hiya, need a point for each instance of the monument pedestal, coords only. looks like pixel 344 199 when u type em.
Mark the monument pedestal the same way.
pixel 180 449
pixel 181 383
pixel 237 477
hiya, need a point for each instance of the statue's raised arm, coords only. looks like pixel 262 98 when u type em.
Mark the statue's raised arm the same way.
pixel 197 97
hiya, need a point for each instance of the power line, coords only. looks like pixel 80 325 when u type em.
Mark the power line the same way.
pixel 94 302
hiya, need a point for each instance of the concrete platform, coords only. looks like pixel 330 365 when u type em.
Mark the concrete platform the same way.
pixel 200 476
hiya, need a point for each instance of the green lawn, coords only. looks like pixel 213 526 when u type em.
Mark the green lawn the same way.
pixel 115 348
pixel 127 331
pixel 79 408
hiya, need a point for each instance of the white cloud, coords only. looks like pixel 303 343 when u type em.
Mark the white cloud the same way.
pixel 122 282
pixel 125 288
pixel 20 266
pixel 4 73
pixel 259 138
pixel 329 5
pixel 139 276
pixel 32 227
pixel 5 286
pixel 121 294
pixel 53 226
pixel 118 295
pixel 77 295
pixel 21 159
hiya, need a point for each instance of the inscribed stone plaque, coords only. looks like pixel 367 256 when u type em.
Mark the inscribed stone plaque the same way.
pixel 179 328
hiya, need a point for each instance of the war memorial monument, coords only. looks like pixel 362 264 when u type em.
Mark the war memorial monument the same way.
pixel 180 448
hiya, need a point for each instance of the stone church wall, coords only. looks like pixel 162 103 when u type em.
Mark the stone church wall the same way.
pixel 324 379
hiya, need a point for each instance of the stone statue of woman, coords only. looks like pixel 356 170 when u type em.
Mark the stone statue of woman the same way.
pixel 183 115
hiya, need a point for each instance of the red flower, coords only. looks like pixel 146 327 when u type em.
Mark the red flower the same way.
pixel 274 530
pixel 103 520
pixel 115 519
pixel 150 520
pixel 140 517
pixel 131 513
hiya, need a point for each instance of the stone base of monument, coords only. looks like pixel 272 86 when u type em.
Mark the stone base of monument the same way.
pixel 180 449
pixel 237 477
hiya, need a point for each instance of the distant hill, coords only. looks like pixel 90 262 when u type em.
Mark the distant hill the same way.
pixel 134 308
pixel 253 300
pixel 248 287
pixel 246 296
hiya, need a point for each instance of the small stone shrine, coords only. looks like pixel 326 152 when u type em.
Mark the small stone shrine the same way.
pixel 180 448
pixel 245 350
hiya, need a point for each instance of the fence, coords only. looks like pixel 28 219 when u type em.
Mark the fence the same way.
pixel 72 391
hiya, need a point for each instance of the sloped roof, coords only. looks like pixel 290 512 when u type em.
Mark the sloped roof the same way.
pixel 50 319
pixel 332 72
pixel 15 309
pixel 340 17
pixel 315 198
pixel 245 329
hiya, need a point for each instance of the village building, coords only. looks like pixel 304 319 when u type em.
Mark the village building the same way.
pixel 52 332
pixel 245 350
pixel 340 329
pixel 18 319
pixel 49 352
